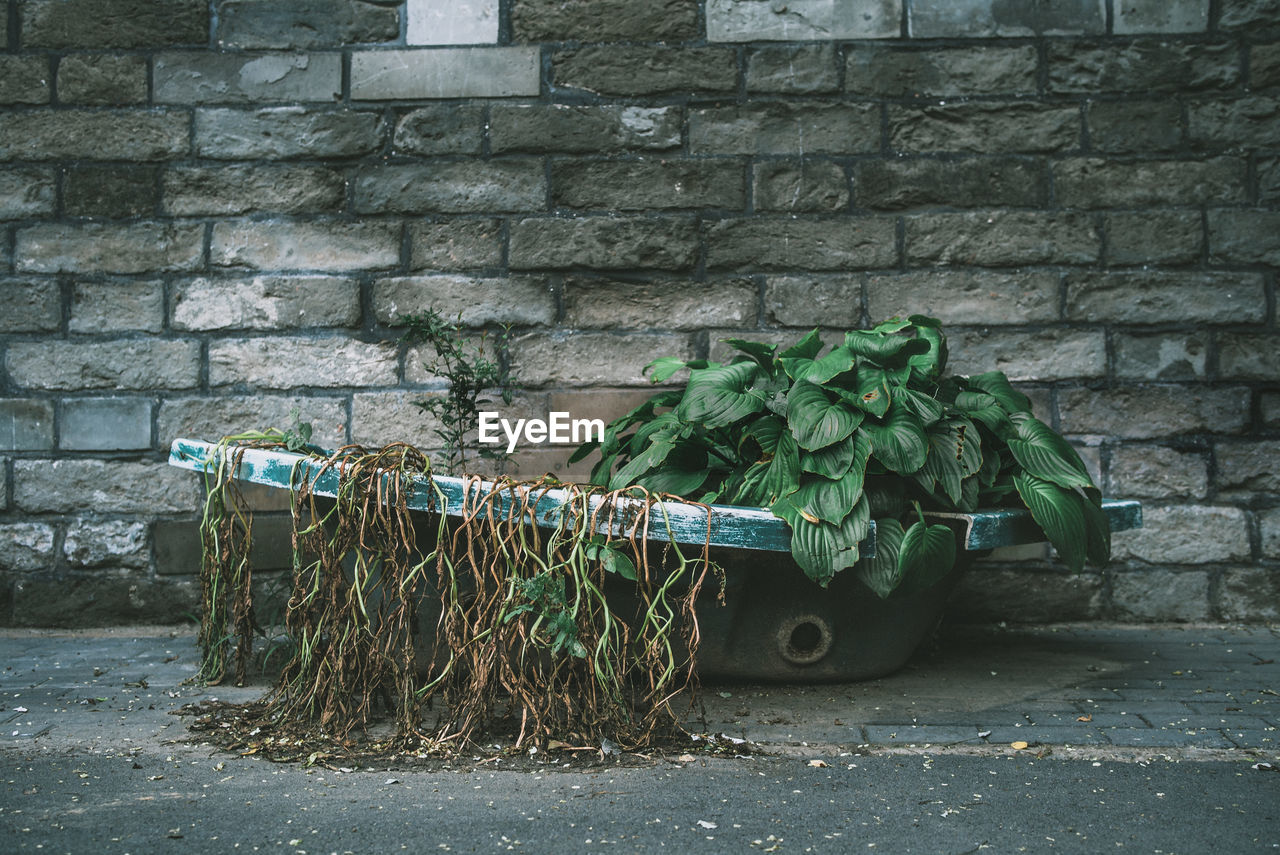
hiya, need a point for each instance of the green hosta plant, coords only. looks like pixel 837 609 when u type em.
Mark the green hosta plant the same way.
pixel 870 429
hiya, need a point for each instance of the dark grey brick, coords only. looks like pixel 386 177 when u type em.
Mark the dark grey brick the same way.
pixel 984 127
pixel 25 80
pixel 1152 412
pixel 770 243
pixel 441 129
pixel 1251 594
pixel 1127 127
pixel 287 132
pixel 49 600
pixel 1166 297
pixel 452 188
pixel 26 424
pixel 31 305
pixel 1248 467
pixel 304 23
pixel 99 24
pixel 980 18
pixel 778 127
pixel 1154 472
pixel 897 72
pixel 1249 356
pixel 1244 237
pixel 205 190
pixel 1002 238
pixel 814 300
pixel 1154 237
pixel 594 303
pixel 1244 123
pixel 237 78
pixel 792 69
pixel 1054 354
pixel 604 20
pixel 105 424
pixel 1162 16
pixel 1144 65
pixel 1249 14
pixel 608 243
pixel 1098 183
pixel 1264 66
pixel 102 79
pixel 131 135
pixel 585 129
pixel 26 193
pixel 648 184
pixel 455 245
pixel 117 306
pixel 110 191
pixel 803 185
pixel 902 184
pixel 617 70
pixel 1161 356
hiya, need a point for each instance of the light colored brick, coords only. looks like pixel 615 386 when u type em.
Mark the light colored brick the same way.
pixel 488 186
pixel 145 363
pixel 1002 238
pixel 591 303
pixel 1249 356
pixel 608 243
pixel 320 246
pixel 592 359
pixel 117 306
pixel 105 424
pixel 451 22
pixel 26 546
pixel 1160 595
pixel 93 543
pixel 1051 354
pixel 1161 16
pixel 1166 297
pixel 378 418
pixel 802 20
pixel 287 132
pixel 489 72
pixel 1185 534
pixel 26 193
pixel 210 418
pixel 805 301
pixel 108 248
pixel 26 424
pixel 455 245
pixel 103 487
pixel 244 78
pixel 1152 412
pixel 787 244
pixel 265 303
pixel 1161 356
pixel 1249 467
pixel 288 362
pixel 981 18
pixel 961 297
pixel 1269 526
pixel 30 305
pixel 478 301
pixel 1157 472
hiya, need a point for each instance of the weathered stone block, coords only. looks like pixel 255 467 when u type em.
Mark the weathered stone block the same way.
pixel 804 185
pixel 802 20
pixel 1149 412
pixel 98 307
pixel 1271 409
pixel 378 418
pixel 770 243
pixel 456 245
pixel 265 303
pixel 618 70
pixel 1002 238
pixel 893 72
pixel 102 486
pixel 1250 594
pixel 114 23
pixel 26 193
pixel 1185 534
pixel 902 184
pixel 571 359
pixel 1155 472
pixel 451 22
pixel 293 362
pixel 806 301
pixel 1129 127
pixel 1144 65
pixel 26 546
pixel 321 246
pixel 93 543
pixel 1248 467
pixel 278 133
pixel 1099 183
pixel 130 135
pixel 591 303
pixel 1162 16
pixel 300 24
pixel 105 424
pixel 1163 595
pixel 1244 237
pixel 1264 66
pixel 202 190
pixel 1241 123
pixel 101 248
pixel 607 243
pixel 1269 527
pixel 237 78
pixel 1153 298
pixel 984 127
pixel 792 69
pixel 119 364
pixel 1161 356
pixel 519 300
pixel 604 20
pixel 488 72
pixel 109 191
pixel 25 80
pixel 1154 237
pixel 992 594
pixel 26 424
pixel 30 305
pixel 587 129
pixel 1249 14
pixel 959 297
pixel 441 129
pixel 452 188
pixel 1249 356
pixel 103 600
pixel 212 417
pixel 780 127
pixel 1051 354
pixel 102 79
pixel 648 184
pixel 4 484
pixel 982 18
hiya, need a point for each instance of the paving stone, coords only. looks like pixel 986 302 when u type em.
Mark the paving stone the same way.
pixel 110 192
pixel 806 185
pixel 1002 238
pixel 456 245
pixel 1138 412
pixel 129 363
pixel 592 359
pixel 216 416
pixel 1154 237
pixel 1166 297
pixel 230 190
pixel 1239 123
pixel 27 546
pixel 31 305
pixel 107 487
pixel 25 80
pixel 603 243
pixel 906 183
pixel 1125 127
pixel 265 303
pixel 1142 65
pixel 440 129
pixel 104 248
pixel 1153 471
pixel 128 135
pixel 98 543
pixel 295 362
pixel 321 246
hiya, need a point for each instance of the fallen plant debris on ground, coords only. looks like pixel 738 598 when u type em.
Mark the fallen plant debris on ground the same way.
pixel 582 634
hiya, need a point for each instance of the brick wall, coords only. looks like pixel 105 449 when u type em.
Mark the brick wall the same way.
pixel 210 211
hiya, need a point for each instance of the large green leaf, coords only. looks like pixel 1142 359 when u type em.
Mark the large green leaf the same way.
pixel 1045 454
pixel 784 469
pixel 816 420
pixel 759 351
pixel 882 348
pixel 664 366
pixel 997 385
pixel 955 453
pixel 651 458
pixel 873 393
pixel 1060 514
pixel 822 549
pixel 927 554
pixel 986 409
pixel 928 408
pixel 807 348
pixel 881 572
pixel 828 500
pixel 819 371
pixel 932 362
pixel 835 460
pixel 899 442
pixel 1097 530
pixel 719 396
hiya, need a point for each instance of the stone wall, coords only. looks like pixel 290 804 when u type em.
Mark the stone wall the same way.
pixel 211 211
